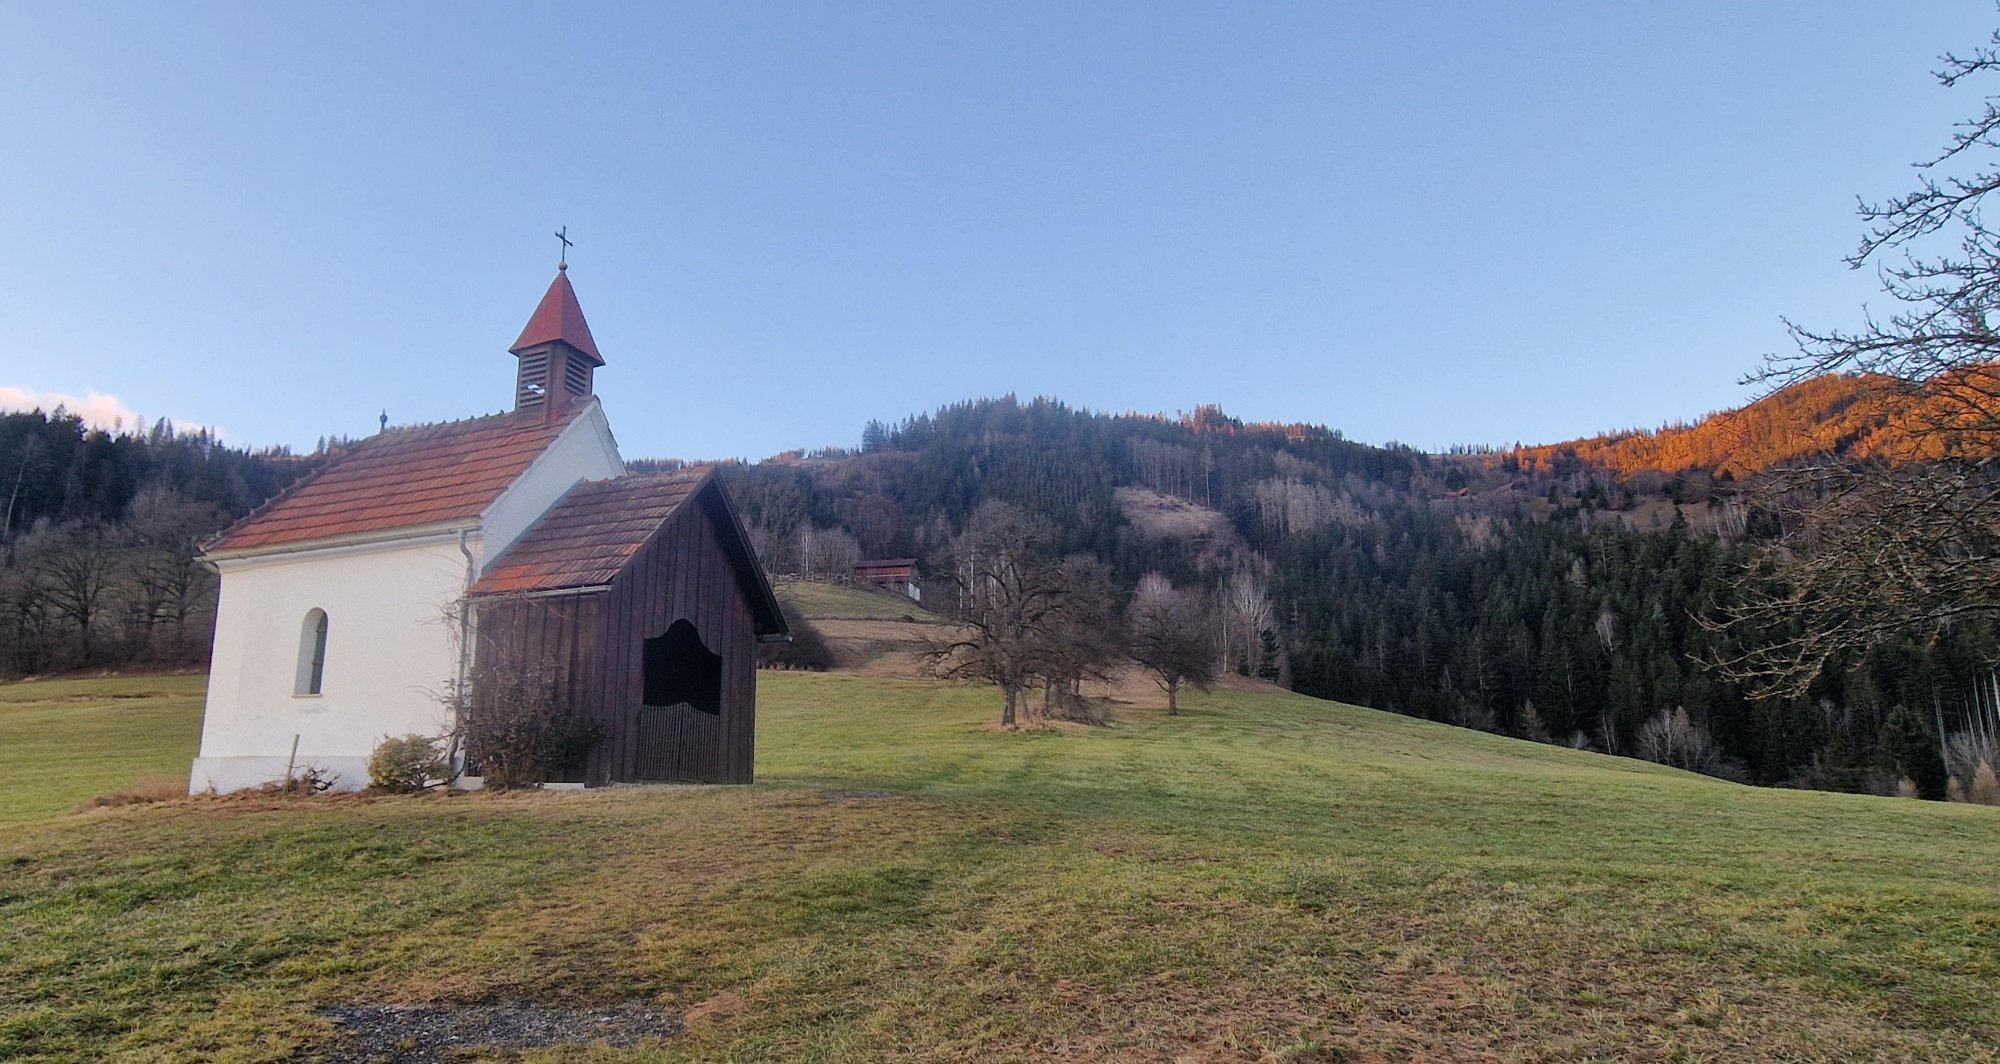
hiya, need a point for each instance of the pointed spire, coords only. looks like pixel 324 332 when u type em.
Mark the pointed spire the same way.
pixel 559 318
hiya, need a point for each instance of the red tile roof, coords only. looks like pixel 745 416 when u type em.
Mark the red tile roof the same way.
pixel 591 533
pixel 401 478
pixel 558 317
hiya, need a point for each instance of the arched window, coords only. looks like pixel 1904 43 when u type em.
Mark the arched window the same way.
pixel 312 653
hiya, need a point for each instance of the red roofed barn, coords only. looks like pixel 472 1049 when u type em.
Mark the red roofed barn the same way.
pixel 442 554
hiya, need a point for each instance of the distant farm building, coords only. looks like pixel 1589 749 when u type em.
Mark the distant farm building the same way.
pixel 895 574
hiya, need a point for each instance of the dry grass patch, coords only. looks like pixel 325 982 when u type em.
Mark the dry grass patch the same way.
pixel 1264 878
pixel 142 791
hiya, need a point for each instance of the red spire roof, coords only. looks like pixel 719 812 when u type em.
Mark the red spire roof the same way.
pixel 559 318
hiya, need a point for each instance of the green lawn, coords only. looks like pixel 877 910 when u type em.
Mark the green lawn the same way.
pixel 841 602
pixel 1266 877
pixel 67 741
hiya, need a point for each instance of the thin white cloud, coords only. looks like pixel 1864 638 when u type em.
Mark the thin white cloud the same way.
pixel 95 408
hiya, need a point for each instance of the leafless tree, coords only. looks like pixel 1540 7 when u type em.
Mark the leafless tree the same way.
pixel 1246 616
pixel 1671 738
pixel 166 585
pixel 29 446
pixel 1009 599
pixel 828 554
pixel 1906 542
pixel 76 564
pixel 1170 639
pixel 1082 639
pixel 25 619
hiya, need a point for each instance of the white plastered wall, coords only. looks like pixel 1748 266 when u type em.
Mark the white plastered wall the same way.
pixel 390 647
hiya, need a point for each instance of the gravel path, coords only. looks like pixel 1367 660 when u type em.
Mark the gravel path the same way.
pixel 438 1034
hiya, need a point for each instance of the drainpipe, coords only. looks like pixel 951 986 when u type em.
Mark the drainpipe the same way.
pixel 453 757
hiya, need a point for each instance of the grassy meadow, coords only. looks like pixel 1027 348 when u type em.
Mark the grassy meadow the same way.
pixel 67 741
pixel 1267 877
pixel 850 603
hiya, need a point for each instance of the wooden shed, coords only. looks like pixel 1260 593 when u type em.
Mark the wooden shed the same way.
pixel 642 597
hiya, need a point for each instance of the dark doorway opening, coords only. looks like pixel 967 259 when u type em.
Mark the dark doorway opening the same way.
pixel 682 671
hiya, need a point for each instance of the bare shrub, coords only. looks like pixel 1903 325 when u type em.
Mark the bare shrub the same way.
pixel 1906 788
pixel 407 765
pixel 1985 789
pixel 304 782
pixel 1530 725
pixel 1824 773
pixel 1469 714
pixel 1673 739
pixel 519 729
pixel 1063 703
pixel 807 650
pixel 1964 752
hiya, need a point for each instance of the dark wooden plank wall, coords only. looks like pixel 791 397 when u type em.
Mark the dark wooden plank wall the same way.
pixel 560 632
pixel 683 572
pixel 598 641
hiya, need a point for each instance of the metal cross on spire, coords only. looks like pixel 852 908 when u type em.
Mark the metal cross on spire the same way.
pixel 562 259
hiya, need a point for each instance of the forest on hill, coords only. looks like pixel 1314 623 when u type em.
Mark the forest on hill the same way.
pixel 1552 594
pixel 99 534
pixel 1855 416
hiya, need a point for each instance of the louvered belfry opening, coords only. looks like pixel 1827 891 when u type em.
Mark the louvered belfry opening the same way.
pixel 558 356
pixel 531 386
pixel 551 378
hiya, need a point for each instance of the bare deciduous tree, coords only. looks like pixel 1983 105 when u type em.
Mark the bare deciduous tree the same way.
pixel 828 554
pixel 77 564
pixel 1009 597
pixel 1909 541
pixel 1671 738
pixel 1247 615
pixel 166 585
pixel 1169 638
pixel 1082 638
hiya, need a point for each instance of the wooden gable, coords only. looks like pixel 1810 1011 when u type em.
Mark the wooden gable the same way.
pixel 597 585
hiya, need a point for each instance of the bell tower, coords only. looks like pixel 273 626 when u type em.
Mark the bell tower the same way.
pixel 557 356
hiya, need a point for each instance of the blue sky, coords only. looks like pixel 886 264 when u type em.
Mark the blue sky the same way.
pixel 1439 223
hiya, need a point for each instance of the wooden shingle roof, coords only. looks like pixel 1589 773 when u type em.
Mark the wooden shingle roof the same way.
pixel 588 535
pixel 595 530
pixel 401 478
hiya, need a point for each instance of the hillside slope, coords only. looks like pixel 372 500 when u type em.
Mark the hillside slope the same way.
pixel 1854 417
pixel 1559 601
pixel 1267 877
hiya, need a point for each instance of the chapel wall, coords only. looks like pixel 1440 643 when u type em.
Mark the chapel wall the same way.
pixel 390 647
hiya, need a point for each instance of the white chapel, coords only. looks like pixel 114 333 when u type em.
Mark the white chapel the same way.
pixel 409 560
